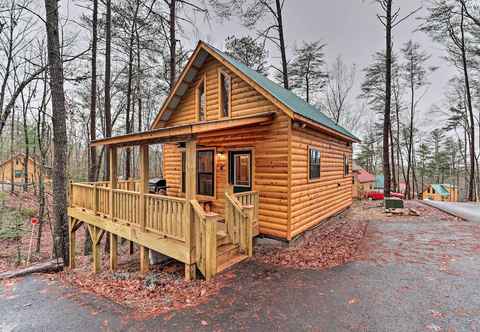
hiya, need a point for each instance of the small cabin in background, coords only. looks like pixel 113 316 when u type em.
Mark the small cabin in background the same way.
pixel 363 182
pixel 18 169
pixel 441 192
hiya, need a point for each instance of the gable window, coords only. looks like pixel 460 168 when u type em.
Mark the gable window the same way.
pixel 346 165
pixel 225 94
pixel 205 172
pixel 313 163
pixel 201 101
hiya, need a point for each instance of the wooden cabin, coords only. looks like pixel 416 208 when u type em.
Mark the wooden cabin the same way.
pixel 363 182
pixel 242 156
pixel 16 166
pixel 441 192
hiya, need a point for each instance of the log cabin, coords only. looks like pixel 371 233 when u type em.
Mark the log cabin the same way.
pixel 242 157
pixel 363 182
pixel 441 192
pixel 14 168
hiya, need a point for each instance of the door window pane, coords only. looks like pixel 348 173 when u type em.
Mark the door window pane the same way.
pixel 242 170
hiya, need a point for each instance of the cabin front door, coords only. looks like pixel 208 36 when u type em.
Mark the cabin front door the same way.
pixel 240 170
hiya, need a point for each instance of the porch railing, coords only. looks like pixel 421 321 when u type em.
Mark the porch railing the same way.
pixel 162 215
pixel 165 215
pixel 250 198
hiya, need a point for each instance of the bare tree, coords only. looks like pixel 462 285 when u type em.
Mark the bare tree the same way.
pixel 59 131
pixel 340 82
pixel 253 13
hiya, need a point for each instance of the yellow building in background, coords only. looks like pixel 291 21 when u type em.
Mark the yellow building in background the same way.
pixel 441 192
pixel 6 169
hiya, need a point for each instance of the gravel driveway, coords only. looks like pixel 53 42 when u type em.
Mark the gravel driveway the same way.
pixel 467 211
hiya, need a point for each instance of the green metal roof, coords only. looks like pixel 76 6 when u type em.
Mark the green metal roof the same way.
pixel 286 97
pixel 440 189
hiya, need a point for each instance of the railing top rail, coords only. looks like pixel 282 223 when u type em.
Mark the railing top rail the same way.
pixel 123 191
pixel 236 204
pixel 83 184
pixel 198 209
pixel 246 193
pixel 164 197
pixel 103 188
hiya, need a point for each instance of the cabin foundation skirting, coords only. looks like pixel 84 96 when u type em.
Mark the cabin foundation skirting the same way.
pixel 273 241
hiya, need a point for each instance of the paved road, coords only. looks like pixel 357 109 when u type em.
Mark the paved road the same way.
pixel 412 276
pixel 467 211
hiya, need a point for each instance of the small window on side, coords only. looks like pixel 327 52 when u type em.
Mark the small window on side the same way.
pixel 201 101
pixel 225 93
pixel 313 163
pixel 346 165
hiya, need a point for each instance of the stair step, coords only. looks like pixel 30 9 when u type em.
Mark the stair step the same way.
pixel 222 238
pixel 229 263
pixel 226 252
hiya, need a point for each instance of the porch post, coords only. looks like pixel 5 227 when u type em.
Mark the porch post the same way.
pixel 190 190
pixel 144 173
pixel 113 178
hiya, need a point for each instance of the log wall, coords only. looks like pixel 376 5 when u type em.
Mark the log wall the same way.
pixel 315 200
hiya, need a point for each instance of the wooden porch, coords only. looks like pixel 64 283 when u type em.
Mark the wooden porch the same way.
pixel 178 227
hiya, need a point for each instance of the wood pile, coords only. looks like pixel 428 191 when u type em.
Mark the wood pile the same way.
pixel 402 212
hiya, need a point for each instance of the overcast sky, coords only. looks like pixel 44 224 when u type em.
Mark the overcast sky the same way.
pixel 349 28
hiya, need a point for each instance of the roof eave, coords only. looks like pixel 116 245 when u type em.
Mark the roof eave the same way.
pixel 326 129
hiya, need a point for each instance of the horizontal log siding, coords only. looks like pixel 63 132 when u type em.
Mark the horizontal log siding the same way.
pixel 314 201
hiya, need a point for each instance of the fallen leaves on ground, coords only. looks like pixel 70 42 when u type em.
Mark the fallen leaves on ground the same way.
pixel 26 200
pixel 328 246
pixel 163 289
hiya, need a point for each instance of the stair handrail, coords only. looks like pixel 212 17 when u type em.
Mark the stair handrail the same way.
pixel 205 240
pixel 244 227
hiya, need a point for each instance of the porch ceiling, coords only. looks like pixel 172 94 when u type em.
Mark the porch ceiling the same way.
pixel 184 133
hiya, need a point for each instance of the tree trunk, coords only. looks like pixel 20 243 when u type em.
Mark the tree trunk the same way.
pixel 173 44
pixel 282 45
pixel 471 183
pixel 27 150
pixel 12 151
pixel 92 158
pixel 92 170
pixel 388 99
pixel 128 124
pixel 108 62
pixel 59 131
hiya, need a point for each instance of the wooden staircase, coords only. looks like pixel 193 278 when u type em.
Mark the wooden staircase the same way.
pixel 228 254
pixel 222 242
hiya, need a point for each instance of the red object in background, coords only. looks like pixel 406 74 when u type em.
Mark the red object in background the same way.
pixel 34 221
pixel 375 195
pixel 378 196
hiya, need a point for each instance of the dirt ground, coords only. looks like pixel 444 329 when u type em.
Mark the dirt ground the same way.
pixel 8 255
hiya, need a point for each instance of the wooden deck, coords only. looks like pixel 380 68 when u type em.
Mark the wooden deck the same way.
pixel 175 227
